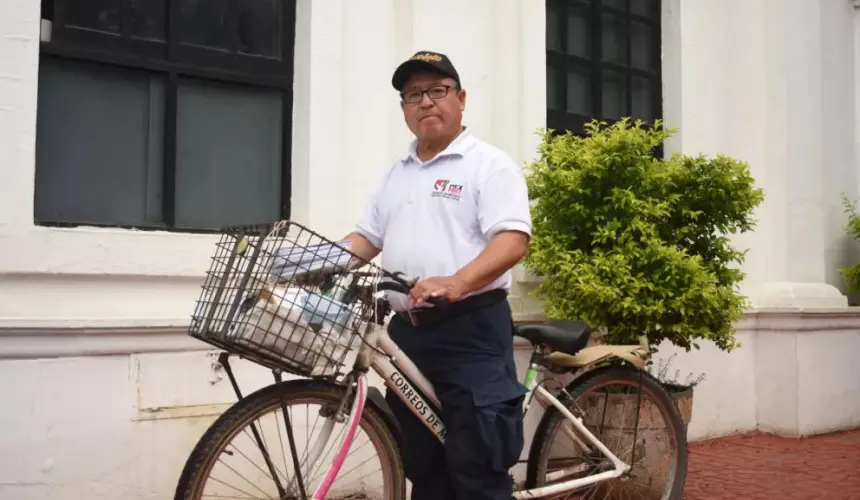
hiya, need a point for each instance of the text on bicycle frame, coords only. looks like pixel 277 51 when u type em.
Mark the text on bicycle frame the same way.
pixel 417 402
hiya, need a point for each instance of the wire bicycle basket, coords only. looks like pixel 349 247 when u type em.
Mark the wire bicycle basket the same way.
pixel 257 300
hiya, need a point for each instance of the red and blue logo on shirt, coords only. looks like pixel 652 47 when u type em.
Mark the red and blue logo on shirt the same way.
pixel 443 188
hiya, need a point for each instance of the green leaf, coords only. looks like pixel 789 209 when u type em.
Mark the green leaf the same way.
pixel 639 244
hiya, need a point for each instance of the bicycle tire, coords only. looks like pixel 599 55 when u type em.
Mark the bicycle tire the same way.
pixel 614 373
pixel 237 417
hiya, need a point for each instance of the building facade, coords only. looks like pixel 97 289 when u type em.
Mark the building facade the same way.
pixel 125 138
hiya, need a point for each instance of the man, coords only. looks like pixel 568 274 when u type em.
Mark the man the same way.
pixel 453 212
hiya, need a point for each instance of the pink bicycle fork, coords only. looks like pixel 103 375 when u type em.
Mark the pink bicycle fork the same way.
pixel 352 428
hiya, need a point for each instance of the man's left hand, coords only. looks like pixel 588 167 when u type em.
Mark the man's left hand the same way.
pixel 449 287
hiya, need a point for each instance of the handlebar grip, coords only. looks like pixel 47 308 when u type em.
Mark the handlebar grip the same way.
pixel 394 286
pixel 397 286
pixel 439 301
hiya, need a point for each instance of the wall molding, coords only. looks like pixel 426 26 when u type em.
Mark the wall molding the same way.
pixel 798 319
pixel 62 342
pixel 40 343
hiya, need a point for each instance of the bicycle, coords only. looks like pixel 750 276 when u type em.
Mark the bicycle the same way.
pixel 313 341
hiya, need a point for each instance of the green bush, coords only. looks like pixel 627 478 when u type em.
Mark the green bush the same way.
pixel 851 273
pixel 635 244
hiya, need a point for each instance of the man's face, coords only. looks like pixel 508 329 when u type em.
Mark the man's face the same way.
pixel 432 117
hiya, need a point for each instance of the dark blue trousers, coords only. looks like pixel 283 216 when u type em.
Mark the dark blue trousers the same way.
pixel 469 360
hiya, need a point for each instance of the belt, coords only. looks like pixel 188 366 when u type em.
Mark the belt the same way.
pixel 430 316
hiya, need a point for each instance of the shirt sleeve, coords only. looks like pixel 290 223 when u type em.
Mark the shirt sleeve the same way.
pixel 371 224
pixel 503 201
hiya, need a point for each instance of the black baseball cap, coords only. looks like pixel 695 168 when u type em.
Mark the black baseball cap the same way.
pixel 424 60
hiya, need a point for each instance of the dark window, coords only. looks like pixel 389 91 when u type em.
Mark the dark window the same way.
pixel 165 114
pixel 603 61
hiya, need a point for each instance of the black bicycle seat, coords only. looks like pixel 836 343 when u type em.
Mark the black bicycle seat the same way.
pixel 565 336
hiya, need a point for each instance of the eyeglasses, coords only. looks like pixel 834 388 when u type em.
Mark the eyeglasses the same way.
pixel 435 92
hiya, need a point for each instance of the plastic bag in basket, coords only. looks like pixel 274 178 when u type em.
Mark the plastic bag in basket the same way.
pixel 274 325
pixel 335 320
pixel 284 324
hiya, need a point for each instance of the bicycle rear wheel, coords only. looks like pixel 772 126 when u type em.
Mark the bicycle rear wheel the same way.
pixel 252 471
pixel 608 402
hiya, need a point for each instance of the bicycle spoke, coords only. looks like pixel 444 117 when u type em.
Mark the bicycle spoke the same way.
pixel 241 476
pixel 292 442
pixel 345 474
pixel 281 442
pixel 267 454
pixel 267 474
pixel 627 425
pixel 266 457
pixel 332 445
pixel 225 496
pixel 311 455
pixel 311 458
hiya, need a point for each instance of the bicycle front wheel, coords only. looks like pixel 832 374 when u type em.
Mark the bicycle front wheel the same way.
pixel 246 453
pixel 634 417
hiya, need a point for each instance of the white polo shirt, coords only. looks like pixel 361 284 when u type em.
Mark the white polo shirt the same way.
pixel 432 218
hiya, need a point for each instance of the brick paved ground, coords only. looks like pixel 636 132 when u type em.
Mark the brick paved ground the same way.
pixel 753 467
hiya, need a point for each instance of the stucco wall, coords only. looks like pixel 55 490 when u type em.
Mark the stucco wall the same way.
pixel 344 64
pixel 86 415
pixel 774 87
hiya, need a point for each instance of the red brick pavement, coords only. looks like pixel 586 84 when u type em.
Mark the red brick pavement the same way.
pixel 758 466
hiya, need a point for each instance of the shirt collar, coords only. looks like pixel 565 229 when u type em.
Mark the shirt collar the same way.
pixel 458 147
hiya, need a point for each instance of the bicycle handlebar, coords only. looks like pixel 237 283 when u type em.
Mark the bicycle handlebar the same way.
pixel 400 286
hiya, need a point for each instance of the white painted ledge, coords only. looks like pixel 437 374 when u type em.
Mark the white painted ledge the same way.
pixel 795 374
pixel 52 339
pixel 40 343
pixel 802 319
pixel 793 294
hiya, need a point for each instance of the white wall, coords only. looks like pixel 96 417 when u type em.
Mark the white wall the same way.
pixel 355 130
pixel 725 402
pixel 773 87
pixel 89 418
pixel 71 428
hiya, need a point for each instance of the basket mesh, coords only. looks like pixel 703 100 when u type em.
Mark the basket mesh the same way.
pixel 258 302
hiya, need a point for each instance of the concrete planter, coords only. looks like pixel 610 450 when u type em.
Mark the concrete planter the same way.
pixel 684 400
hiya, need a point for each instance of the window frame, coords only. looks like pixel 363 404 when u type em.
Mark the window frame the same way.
pixel 562 120
pixel 174 61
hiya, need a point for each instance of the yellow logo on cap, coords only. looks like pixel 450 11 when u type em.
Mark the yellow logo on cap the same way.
pixel 427 57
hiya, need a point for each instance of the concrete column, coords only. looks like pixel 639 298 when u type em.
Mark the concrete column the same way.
pixel 345 110
pixel 770 87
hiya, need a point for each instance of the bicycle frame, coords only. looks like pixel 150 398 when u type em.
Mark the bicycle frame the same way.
pixel 377 352
pixel 401 375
